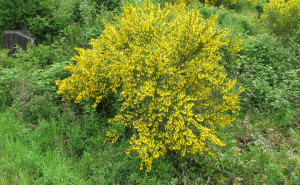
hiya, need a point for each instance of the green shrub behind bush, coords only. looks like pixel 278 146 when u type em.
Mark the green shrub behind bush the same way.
pixel 269 72
pixel 43 18
pixel 109 4
pixel 229 19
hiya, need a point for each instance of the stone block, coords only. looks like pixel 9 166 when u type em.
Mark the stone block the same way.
pixel 12 38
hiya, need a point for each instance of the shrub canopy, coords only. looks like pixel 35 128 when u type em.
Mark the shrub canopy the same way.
pixel 164 65
pixel 282 17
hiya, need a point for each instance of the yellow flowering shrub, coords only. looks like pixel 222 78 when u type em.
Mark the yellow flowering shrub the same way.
pixel 282 16
pixel 164 65
pixel 226 3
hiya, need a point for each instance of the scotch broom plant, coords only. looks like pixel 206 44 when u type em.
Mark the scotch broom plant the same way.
pixel 225 3
pixel 282 17
pixel 164 65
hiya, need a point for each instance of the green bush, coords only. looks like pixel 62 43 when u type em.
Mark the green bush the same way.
pixel 19 14
pixel 14 14
pixel 109 4
pixel 5 60
pixel 39 56
pixel 273 174
pixel 259 6
pixel 94 26
pixel 43 18
pixel 229 19
pixel 8 79
pixel 89 25
pixel 269 74
pixel 27 81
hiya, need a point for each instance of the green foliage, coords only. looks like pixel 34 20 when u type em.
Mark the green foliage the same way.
pixel 109 4
pixel 71 36
pixel 273 174
pixel 90 25
pixel 87 12
pixel 40 56
pixel 29 86
pixel 82 129
pixel 22 163
pixel 226 3
pixel 35 154
pixel 20 14
pixel 92 19
pixel 255 154
pixel 8 80
pixel 43 18
pixel 16 13
pixel 297 37
pixel 259 7
pixel 229 19
pixel 243 6
pixel 269 74
pixel 110 165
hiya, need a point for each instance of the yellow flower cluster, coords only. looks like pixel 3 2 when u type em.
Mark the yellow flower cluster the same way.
pixel 207 2
pixel 282 16
pixel 112 137
pixel 164 65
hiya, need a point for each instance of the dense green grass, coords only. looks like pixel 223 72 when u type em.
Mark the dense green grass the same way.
pixel 37 155
pixel 23 162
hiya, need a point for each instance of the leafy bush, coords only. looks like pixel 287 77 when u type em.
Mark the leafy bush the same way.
pixel 21 14
pixel 44 18
pixel 92 19
pixel 5 60
pixel 164 65
pixel 259 6
pixel 109 4
pixel 269 74
pixel 7 76
pixel 27 81
pixel 228 19
pixel 15 13
pixel 89 25
pixel 40 56
pixel 282 17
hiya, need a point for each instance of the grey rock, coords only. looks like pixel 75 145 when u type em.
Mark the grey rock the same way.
pixel 12 38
